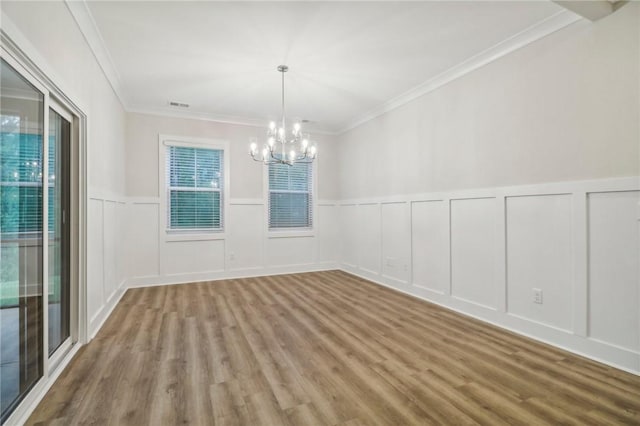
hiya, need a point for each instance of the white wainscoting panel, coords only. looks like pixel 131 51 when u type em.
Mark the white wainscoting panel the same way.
pixel 121 215
pixel 396 241
pixel 105 256
pixel 290 251
pixel 111 237
pixel 245 248
pixel 473 246
pixel 368 240
pixel 430 233
pixel 190 257
pixel 328 233
pixel 614 253
pixel 482 251
pixel 95 258
pixel 539 256
pixel 349 234
pixel 141 240
pixel 245 230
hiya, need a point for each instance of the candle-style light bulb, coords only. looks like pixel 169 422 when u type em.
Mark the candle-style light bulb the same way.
pixel 253 146
pixel 271 141
pixel 272 125
pixel 265 153
pixel 313 151
pixel 292 155
pixel 296 128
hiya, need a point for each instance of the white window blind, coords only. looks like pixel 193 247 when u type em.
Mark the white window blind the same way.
pixel 290 196
pixel 21 179
pixel 194 179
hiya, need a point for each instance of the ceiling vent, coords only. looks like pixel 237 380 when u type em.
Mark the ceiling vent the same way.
pixel 178 104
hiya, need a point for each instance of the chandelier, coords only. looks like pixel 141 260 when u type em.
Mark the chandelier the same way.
pixel 284 146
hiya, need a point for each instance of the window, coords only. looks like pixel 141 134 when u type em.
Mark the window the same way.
pixel 21 180
pixel 194 185
pixel 290 196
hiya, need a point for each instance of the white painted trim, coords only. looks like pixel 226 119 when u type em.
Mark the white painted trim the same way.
pixel 614 184
pixel 100 317
pixel 301 233
pixel 261 123
pixel 143 200
pixel 100 194
pixel 164 141
pixel 290 232
pixel 246 201
pixel 327 203
pixel 89 29
pixel 153 281
pixel 182 236
pixel 471 302
pixel 580 258
pixel 529 35
pixel 544 324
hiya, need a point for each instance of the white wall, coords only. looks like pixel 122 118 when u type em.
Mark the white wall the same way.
pixel 562 108
pixel 522 174
pixel 247 249
pixel 47 32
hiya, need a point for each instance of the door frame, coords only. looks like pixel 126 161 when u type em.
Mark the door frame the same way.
pixel 56 357
pixel 53 94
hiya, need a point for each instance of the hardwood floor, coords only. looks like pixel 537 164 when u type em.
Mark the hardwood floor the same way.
pixel 322 348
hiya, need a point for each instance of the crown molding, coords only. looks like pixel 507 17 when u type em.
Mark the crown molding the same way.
pixel 215 118
pixel 535 32
pixel 89 29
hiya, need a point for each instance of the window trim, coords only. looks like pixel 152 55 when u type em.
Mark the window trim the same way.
pixel 171 235
pixel 300 232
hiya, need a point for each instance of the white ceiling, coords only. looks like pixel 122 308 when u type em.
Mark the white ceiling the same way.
pixel 347 60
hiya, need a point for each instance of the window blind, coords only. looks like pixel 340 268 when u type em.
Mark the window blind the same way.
pixel 194 179
pixel 21 182
pixel 290 196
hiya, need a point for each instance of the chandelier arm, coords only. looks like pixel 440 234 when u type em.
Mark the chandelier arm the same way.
pixel 280 135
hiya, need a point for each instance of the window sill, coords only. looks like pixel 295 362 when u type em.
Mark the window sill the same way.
pixel 301 233
pixel 177 236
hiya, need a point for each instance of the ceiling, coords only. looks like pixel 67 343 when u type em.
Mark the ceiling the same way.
pixel 348 60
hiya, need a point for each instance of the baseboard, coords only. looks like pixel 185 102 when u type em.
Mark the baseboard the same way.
pixel 613 356
pixel 151 281
pixel 100 317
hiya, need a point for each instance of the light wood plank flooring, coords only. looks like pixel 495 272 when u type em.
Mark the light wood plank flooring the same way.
pixel 322 348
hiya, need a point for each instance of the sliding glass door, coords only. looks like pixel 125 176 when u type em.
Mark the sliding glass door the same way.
pixel 21 239
pixel 36 291
pixel 59 313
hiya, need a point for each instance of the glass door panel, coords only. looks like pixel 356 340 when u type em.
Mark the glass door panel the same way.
pixel 21 221
pixel 59 191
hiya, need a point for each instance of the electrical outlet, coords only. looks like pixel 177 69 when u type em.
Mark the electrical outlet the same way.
pixel 537 295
